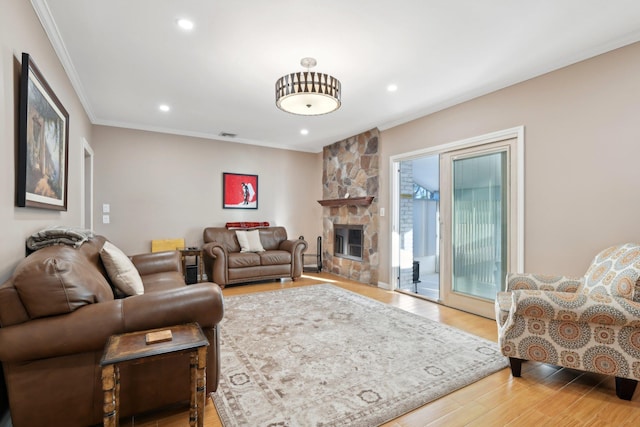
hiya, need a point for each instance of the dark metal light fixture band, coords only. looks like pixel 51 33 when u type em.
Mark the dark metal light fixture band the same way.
pixel 308 93
pixel 308 82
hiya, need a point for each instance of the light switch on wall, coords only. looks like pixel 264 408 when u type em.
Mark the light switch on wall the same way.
pixel 105 219
pixel 106 208
pixel 381 211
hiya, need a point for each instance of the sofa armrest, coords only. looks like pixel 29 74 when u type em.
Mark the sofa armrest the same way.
pixel 297 248
pixel 293 246
pixel 216 259
pixel 157 262
pixel 88 328
pixel 83 330
pixel 575 307
pixel 543 282
pixel 202 303
pixel 214 250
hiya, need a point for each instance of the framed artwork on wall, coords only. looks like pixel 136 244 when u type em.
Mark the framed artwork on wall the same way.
pixel 239 191
pixel 43 143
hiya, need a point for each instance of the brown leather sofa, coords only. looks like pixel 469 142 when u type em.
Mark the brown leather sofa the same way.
pixel 224 263
pixel 57 312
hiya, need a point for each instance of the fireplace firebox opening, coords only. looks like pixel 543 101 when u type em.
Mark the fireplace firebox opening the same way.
pixel 348 241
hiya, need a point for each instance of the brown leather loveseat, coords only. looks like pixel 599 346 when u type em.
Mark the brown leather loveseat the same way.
pixel 57 312
pixel 225 264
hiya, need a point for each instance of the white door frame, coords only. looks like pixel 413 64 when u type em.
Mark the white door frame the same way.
pixel 86 190
pixel 394 193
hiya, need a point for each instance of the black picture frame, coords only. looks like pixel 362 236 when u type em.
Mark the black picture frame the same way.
pixel 239 191
pixel 43 143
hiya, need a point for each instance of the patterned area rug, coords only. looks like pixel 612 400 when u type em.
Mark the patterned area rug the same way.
pixel 323 356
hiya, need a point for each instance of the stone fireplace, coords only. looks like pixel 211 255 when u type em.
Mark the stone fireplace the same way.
pixel 350 193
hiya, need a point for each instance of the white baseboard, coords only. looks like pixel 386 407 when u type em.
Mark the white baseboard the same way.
pixel 384 285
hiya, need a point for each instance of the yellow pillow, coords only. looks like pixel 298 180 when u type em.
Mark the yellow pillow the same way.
pixel 121 270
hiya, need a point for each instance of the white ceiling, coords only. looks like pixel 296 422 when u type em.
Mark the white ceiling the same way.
pixel 125 57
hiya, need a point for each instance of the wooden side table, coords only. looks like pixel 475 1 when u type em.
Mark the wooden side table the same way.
pixel 133 348
pixel 196 252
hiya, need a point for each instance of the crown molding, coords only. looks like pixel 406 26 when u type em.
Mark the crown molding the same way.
pixel 51 29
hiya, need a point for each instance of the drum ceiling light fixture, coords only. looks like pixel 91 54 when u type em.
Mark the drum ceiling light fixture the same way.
pixel 308 93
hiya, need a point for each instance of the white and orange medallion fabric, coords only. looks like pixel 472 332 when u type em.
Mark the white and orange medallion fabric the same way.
pixel 590 323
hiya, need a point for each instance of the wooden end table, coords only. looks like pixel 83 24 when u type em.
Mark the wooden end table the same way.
pixel 196 252
pixel 132 348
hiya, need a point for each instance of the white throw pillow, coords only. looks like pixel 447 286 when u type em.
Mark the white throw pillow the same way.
pixel 249 241
pixel 121 270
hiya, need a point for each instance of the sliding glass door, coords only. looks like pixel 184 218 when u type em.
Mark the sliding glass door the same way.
pixel 476 203
pixel 458 225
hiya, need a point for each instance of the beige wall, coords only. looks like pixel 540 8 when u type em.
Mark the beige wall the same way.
pixel 20 31
pixel 166 186
pixel 581 141
pixel 582 145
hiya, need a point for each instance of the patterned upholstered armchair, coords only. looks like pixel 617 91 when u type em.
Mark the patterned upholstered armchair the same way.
pixel 590 323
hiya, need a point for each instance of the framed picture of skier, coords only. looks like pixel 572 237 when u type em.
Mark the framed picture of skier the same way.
pixel 239 191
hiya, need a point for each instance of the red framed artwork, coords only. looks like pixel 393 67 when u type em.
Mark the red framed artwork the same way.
pixel 239 191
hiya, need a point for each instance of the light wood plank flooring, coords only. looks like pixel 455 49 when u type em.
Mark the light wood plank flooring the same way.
pixel 543 396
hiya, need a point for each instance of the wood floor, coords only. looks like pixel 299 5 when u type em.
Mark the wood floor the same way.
pixel 543 396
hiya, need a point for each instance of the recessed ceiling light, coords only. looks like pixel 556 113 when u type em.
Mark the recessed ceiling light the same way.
pixel 185 24
pixel 304 132
pixel 392 88
pixel 164 108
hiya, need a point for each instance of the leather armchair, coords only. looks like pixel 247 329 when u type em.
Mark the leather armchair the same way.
pixel 589 323
pixel 51 347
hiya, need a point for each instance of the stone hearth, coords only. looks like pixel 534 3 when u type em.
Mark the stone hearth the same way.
pixel 351 169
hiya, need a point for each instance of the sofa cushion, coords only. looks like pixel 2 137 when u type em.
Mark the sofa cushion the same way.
pixel 272 237
pixel 275 258
pixel 121 270
pixel 57 280
pixel 246 259
pixel 615 271
pixel 225 238
pixel 249 241
pixel 13 311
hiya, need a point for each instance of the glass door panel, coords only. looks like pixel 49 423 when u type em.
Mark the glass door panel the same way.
pixel 476 218
pixel 418 230
pixel 479 225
